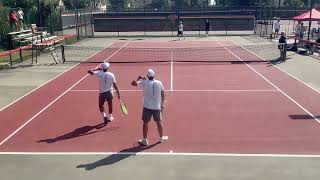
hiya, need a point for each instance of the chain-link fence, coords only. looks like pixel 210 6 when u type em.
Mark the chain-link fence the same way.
pixel 165 22
pixel 78 22
pixel 157 20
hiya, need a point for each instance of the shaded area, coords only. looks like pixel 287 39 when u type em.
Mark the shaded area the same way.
pixel 82 131
pixel 302 117
pixel 114 158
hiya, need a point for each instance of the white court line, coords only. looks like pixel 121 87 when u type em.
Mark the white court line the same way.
pixel 276 87
pixel 164 154
pixel 171 71
pixel 283 70
pixel 187 90
pixel 12 134
pixel 184 47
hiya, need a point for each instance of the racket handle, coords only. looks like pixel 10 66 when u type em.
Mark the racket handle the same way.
pixel 140 77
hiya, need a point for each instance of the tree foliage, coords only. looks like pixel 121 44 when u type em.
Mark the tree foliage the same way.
pixel 294 3
pixel 77 4
pixel 118 4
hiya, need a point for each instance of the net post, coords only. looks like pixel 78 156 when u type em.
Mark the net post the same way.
pixel 63 54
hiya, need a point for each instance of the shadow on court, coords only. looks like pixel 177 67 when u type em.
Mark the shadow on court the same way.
pixel 303 117
pixel 114 158
pixel 82 131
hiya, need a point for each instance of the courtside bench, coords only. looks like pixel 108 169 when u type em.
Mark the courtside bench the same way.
pixel 20 38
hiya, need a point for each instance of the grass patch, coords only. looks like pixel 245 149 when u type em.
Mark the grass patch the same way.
pixel 16 56
pixel 70 40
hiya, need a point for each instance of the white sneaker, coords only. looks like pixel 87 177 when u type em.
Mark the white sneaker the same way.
pixel 143 142
pixel 163 139
pixel 110 118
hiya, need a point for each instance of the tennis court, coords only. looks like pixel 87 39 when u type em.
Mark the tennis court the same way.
pixel 224 100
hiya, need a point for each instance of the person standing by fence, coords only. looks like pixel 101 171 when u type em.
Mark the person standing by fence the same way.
pixel 276 28
pixel 20 15
pixel 302 30
pixel 297 30
pixel 180 29
pixel 283 46
pixel 13 20
pixel 207 25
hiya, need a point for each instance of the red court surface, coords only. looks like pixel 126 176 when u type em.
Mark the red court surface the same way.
pixel 212 108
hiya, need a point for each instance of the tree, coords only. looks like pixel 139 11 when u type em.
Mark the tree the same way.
pixel 161 4
pixel 299 3
pixel 77 4
pixel 118 4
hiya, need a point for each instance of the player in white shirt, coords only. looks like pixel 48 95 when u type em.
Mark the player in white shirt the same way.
pixel 106 83
pixel 180 30
pixel 276 28
pixel 153 104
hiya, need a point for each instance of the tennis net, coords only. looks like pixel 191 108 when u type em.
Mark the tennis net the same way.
pixel 225 54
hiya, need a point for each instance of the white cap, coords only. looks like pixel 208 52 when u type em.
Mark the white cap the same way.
pixel 150 73
pixel 105 65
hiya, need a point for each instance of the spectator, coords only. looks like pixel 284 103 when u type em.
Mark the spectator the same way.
pixel 283 46
pixel 180 29
pixel 13 20
pixel 20 15
pixel 207 24
pixel 276 28
pixel 302 30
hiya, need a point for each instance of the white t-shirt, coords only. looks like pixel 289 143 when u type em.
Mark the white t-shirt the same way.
pixel 297 29
pixel 151 93
pixel 277 25
pixel 180 27
pixel 20 15
pixel 106 80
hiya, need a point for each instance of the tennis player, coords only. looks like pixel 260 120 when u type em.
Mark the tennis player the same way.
pixel 153 100
pixel 180 29
pixel 207 25
pixel 106 83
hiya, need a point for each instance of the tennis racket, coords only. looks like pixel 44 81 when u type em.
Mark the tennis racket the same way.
pixel 124 108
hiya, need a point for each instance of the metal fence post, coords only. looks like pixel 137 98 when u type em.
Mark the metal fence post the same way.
pixel 20 53
pixel 10 56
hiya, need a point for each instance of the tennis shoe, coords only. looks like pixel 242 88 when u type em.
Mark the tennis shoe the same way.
pixel 105 120
pixel 111 118
pixel 163 139
pixel 143 142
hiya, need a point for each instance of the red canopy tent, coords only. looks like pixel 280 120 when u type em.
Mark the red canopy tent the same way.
pixel 313 15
